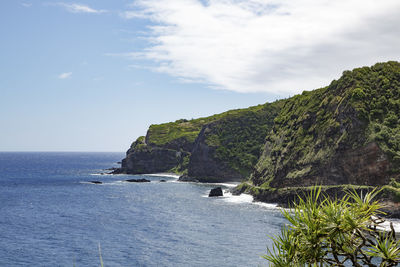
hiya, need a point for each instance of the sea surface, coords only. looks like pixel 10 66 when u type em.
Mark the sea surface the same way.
pixel 51 216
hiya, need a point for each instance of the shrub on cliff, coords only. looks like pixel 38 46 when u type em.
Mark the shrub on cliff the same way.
pixel 326 232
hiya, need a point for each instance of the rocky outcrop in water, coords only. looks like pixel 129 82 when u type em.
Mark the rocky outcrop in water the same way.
pixel 216 192
pixel 138 180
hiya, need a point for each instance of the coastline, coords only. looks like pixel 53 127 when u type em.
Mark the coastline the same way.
pixel 284 197
pixel 277 199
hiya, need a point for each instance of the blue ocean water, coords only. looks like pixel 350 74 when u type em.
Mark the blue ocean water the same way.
pixel 51 216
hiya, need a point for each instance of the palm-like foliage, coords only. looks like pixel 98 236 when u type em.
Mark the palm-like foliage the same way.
pixel 335 232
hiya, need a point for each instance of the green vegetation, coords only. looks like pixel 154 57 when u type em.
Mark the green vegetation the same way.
pixel 326 232
pixel 363 106
pixel 292 141
pixel 162 134
pixel 139 144
pixel 239 135
pixel 182 167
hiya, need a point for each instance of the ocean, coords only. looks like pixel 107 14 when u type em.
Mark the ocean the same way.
pixel 51 216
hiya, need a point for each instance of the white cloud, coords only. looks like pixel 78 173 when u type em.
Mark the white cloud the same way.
pixel 65 75
pixel 277 46
pixel 26 4
pixel 80 8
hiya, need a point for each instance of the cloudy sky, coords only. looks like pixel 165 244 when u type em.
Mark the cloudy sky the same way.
pixel 93 75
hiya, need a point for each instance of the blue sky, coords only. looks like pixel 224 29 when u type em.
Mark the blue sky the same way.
pixel 93 75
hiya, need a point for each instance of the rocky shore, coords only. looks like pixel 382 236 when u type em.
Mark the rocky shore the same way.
pixel 285 197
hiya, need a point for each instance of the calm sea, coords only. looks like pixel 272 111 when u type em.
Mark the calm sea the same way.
pixel 51 216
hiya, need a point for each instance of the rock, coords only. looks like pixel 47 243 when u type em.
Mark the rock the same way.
pixel 162 181
pixel 138 181
pixel 95 182
pixel 185 178
pixel 216 192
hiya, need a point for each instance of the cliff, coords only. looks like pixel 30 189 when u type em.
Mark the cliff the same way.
pixel 345 133
pixel 223 147
pixel 227 148
pixel 165 148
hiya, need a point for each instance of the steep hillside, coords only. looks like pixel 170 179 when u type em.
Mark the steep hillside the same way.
pixel 218 148
pixel 228 148
pixel 346 133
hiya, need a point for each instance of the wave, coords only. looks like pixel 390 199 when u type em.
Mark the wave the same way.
pixel 242 198
pixel 231 185
pixel 169 175
pixel 103 183
pixel 100 174
pixel 386 225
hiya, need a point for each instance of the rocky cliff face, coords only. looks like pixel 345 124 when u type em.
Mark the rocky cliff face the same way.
pixel 340 134
pixel 204 166
pixel 228 148
pixel 345 133
pixel 144 158
pixel 220 148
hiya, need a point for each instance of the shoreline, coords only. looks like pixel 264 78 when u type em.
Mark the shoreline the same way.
pixel 281 198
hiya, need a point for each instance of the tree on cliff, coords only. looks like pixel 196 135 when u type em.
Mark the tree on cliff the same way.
pixel 326 232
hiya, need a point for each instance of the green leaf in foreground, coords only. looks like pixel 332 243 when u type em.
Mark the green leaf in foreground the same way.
pixel 335 232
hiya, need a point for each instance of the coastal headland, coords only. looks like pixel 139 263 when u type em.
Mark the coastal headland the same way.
pixel 342 135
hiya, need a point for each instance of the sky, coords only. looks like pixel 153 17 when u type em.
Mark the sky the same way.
pixel 94 75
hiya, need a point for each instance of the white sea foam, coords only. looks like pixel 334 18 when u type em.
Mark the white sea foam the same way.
pixel 246 198
pixel 100 174
pixel 103 183
pixel 242 198
pixel 267 205
pixel 169 175
pixel 386 225
pixel 223 184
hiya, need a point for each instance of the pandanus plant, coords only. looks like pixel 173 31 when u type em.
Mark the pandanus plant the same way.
pixel 335 232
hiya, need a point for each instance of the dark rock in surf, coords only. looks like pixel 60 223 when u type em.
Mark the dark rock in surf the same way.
pixel 95 182
pixel 216 192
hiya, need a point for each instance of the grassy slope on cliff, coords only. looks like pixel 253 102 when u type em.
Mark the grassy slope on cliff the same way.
pixel 162 134
pixel 362 106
